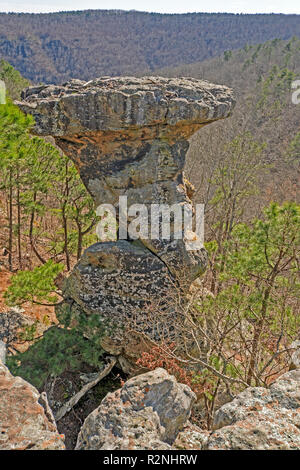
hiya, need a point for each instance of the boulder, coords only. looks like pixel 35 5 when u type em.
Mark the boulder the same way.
pixel 116 280
pixel 257 419
pixel 146 413
pixel 26 421
pixel 11 323
pixel 128 137
pixel 295 358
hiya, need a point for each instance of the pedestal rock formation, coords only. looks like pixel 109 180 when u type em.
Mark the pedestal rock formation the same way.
pixel 26 421
pixel 129 137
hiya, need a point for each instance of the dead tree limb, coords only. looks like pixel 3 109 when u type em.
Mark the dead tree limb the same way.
pixel 75 399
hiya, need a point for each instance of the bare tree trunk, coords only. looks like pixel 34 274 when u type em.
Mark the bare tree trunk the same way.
pixel 19 222
pixel 65 228
pixel 79 242
pixel 65 220
pixel 10 222
pixel 256 337
pixel 31 223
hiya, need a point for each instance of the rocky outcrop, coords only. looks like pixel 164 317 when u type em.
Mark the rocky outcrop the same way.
pixel 26 421
pixel 12 323
pixel 146 413
pixel 261 419
pixel 129 137
pixel 257 419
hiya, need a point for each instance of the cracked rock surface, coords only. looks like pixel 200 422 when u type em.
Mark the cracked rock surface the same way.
pixel 129 137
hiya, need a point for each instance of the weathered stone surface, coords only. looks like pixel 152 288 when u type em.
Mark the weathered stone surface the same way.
pixel 283 393
pixel 295 359
pixel 259 418
pixel 128 346
pixel 117 277
pixel 146 413
pixel 119 281
pixel 257 434
pixel 191 438
pixel 126 285
pixel 115 103
pixel 24 423
pixel 11 323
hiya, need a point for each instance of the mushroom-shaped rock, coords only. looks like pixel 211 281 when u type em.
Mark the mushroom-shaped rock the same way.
pixel 129 137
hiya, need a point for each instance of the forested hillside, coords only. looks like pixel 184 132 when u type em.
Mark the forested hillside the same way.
pixel 261 77
pixel 54 47
pixel 39 223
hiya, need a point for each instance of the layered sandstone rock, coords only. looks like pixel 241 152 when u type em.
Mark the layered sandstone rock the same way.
pixel 26 422
pixel 257 419
pixel 146 413
pixel 295 358
pixel 129 137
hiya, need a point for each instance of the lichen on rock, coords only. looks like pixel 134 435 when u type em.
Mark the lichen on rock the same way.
pixel 257 419
pixel 129 136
